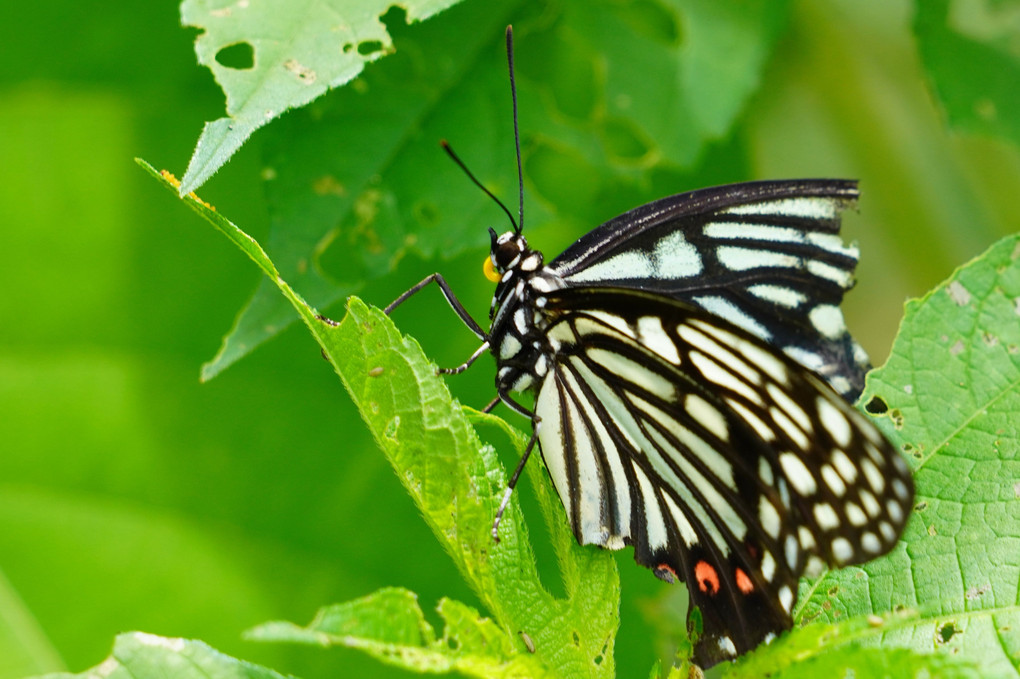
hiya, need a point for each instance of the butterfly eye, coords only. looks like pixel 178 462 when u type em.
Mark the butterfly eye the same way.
pixel 506 254
pixel 489 269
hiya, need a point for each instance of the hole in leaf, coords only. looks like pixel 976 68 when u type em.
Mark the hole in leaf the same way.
pixel 921 506
pixel 577 638
pixel 947 632
pixel 897 418
pixel 652 20
pixel 833 591
pixel 369 47
pixel 623 140
pixel 240 56
pixel 426 212
pixel 876 406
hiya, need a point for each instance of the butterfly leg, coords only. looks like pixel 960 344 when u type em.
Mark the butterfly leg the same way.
pixel 513 480
pixel 451 299
pixel 536 423
pixel 466 364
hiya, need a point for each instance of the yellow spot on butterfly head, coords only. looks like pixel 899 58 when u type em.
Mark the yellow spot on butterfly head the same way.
pixel 489 269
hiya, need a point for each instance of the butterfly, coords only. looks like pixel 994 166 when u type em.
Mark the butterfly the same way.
pixel 692 378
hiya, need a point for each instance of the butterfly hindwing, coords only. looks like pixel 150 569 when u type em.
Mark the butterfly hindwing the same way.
pixel 722 461
pixel 766 256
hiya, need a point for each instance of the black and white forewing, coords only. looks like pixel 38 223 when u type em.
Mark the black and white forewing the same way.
pixel 767 256
pixel 724 463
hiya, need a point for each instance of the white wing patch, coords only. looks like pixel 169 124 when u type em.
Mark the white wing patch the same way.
pixel 805 207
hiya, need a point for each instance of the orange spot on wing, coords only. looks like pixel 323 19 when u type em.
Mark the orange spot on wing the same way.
pixel 664 572
pixel 743 582
pixel 707 577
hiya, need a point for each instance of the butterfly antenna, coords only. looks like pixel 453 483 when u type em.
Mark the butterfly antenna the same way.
pixel 490 194
pixel 517 134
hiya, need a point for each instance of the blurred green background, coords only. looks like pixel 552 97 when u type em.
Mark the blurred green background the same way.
pixel 134 497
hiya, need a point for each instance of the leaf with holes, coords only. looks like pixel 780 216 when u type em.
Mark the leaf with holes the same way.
pixel 949 397
pixel 457 483
pixel 275 55
pixel 969 50
pixel 358 181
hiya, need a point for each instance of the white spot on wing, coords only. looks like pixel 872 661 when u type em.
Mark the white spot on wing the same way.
pixel 613 321
pixel 837 425
pixel 828 320
pixel 634 372
pixel 731 230
pixel 786 598
pixel 797 473
pixel 842 551
pixel 654 336
pixel 768 566
pixel 874 477
pixel 833 480
pixel 712 372
pixel 825 516
pixel 769 517
pixel 732 313
pixel 687 533
pixel 742 259
pixel 807 540
pixel 870 543
pixel 792 551
pixel 843 464
pixel 834 244
pixel 855 514
pixel 804 206
pixel 763 430
pixel 674 257
pixel 708 416
pixel 895 512
pixel 840 277
pixel 871 505
pixel 618 267
pixel 778 294
pixel 790 407
pixel 654 524
pixel 550 436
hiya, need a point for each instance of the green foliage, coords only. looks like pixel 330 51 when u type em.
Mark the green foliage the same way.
pixel 272 56
pixel 132 497
pixel 608 93
pixel 970 52
pixel 950 398
pixel 456 482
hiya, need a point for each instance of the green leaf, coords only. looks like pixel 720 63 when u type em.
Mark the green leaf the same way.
pixel 849 648
pixel 137 655
pixel 614 97
pixel 390 626
pixel 458 483
pixel 950 397
pixel 272 56
pixel 969 49
pixel 24 647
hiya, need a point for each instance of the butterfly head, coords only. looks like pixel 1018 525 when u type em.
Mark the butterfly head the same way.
pixel 509 251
